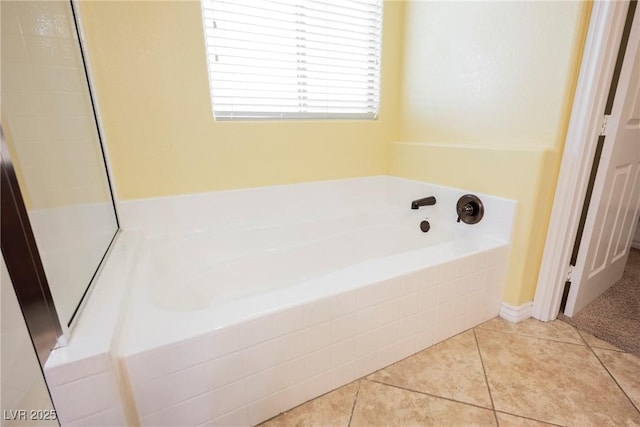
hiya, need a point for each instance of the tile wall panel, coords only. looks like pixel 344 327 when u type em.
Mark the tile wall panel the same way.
pixel 277 361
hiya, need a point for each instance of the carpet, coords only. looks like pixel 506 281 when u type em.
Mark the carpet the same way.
pixel 615 315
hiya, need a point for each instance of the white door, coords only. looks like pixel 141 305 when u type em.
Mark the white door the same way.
pixel 613 212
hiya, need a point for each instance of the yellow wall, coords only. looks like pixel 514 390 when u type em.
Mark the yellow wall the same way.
pixel 526 175
pixel 475 95
pixel 487 93
pixel 148 61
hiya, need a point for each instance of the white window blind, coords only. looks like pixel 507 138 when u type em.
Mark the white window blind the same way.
pixel 293 58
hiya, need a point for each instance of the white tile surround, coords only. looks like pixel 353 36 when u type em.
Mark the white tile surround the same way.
pixel 47 106
pixel 243 372
pixel 247 373
pixel 83 376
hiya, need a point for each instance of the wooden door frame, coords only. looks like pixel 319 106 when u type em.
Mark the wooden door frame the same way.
pixel 598 61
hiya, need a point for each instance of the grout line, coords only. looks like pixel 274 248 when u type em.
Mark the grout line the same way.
pixel 430 395
pixel 586 343
pixel 286 411
pixel 614 378
pixel 486 379
pixel 580 332
pixel 529 418
pixel 105 371
pixel 531 336
pixel 85 417
pixel 355 400
pixel 592 349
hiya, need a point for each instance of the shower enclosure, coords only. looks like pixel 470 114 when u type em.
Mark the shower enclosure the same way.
pixel 58 214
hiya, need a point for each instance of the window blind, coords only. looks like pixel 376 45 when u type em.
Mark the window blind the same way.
pixel 293 58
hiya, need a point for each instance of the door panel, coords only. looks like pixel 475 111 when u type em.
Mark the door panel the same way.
pixel 624 238
pixel 613 213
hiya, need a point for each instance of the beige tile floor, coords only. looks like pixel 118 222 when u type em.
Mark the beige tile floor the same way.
pixel 499 373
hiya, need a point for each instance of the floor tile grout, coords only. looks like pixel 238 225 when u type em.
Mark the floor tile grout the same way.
pixel 591 348
pixel 486 379
pixel 528 418
pixel 428 394
pixel 532 336
pixel 485 358
pixel 616 349
pixel 614 378
pixel 355 400
pixel 580 335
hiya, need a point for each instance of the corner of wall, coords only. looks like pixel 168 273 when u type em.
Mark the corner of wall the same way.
pixel 523 174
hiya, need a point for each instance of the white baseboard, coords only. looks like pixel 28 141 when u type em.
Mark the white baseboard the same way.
pixel 516 314
pixel 635 244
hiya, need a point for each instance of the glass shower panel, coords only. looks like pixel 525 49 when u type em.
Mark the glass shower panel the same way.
pixel 51 133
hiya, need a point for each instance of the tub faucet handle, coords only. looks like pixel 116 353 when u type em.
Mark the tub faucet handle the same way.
pixel 470 209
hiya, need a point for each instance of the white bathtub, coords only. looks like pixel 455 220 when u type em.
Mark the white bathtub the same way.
pixel 208 269
pixel 260 299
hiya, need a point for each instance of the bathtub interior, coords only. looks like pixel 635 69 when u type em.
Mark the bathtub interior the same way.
pixel 215 267
pixel 252 358
pixel 254 234
pixel 254 229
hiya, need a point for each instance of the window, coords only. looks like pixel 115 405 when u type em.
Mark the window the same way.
pixel 307 59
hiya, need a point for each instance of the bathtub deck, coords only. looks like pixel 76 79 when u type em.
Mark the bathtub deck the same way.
pixel 465 380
